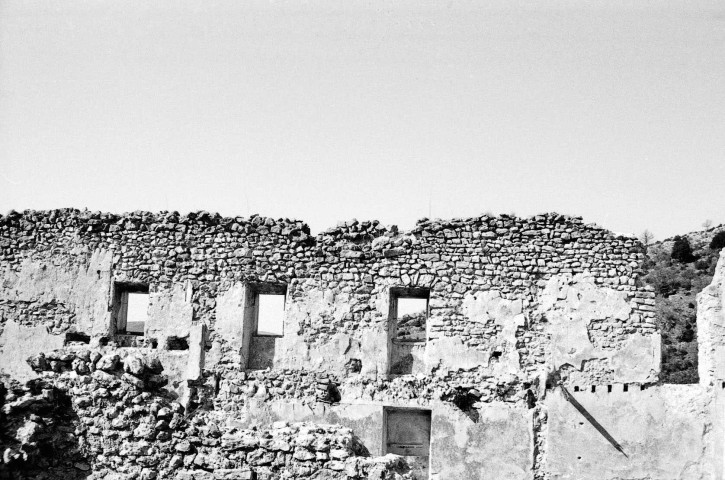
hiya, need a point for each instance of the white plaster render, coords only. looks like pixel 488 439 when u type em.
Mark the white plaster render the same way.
pixel 83 288
pixel 665 431
pixel 197 341
pixel 498 446
pixel 570 305
pixel 230 313
pixel 17 342
pixel 483 307
pixel 170 313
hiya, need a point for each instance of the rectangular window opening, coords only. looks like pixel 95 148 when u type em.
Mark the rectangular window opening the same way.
pixel 131 309
pixel 264 315
pixel 411 319
pixel 269 314
pixel 409 312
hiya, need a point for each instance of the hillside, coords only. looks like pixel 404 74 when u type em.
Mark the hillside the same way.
pixel 677 281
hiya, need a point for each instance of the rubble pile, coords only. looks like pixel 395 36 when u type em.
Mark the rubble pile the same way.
pixel 97 411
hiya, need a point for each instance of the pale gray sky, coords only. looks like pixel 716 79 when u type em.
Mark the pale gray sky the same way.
pixel 325 111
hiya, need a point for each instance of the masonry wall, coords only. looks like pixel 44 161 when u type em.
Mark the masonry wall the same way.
pixel 515 305
pixel 496 284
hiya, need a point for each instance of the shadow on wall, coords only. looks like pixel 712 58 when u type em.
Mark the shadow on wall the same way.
pixel 37 433
pixel 598 426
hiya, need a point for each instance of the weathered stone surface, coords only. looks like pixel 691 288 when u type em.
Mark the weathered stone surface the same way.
pixel 711 328
pixel 108 363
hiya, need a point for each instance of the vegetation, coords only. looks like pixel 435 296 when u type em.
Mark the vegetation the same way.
pixel 681 250
pixel 718 241
pixel 646 238
pixel 678 269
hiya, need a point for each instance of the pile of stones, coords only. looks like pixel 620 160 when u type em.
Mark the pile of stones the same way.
pixel 97 415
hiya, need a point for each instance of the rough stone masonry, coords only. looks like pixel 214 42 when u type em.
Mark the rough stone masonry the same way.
pixel 534 353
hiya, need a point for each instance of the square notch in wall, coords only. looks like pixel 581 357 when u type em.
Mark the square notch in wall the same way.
pixel 268 304
pixel 130 308
pixel 408 328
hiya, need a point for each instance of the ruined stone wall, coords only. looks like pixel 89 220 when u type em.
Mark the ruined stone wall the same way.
pixel 499 286
pixel 517 309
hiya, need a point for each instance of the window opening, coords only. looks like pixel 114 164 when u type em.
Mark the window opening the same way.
pixel 264 315
pixel 412 314
pixel 408 329
pixel 132 306
pixel 270 315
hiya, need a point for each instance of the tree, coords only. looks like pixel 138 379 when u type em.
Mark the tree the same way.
pixel 681 250
pixel 707 224
pixel 646 238
pixel 718 241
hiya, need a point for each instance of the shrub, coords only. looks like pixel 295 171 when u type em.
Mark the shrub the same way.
pixel 718 241
pixel 703 265
pixel 681 250
pixel 665 281
pixel 687 335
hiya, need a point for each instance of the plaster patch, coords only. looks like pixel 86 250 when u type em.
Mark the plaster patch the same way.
pixel 490 306
pixel 17 343
pixel 570 305
pixel 635 419
pixel 449 353
pixel 170 313
pixel 84 289
pixel 230 313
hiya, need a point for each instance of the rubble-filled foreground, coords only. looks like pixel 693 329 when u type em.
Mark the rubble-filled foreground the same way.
pixel 97 412
pixel 167 346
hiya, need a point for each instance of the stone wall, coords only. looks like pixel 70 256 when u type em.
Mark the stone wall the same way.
pixel 519 310
pixel 498 285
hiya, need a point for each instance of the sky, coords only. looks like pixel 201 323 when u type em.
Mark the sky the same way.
pixel 327 111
